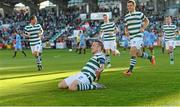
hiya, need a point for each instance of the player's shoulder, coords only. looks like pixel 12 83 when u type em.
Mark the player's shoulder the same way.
pixel 28 26
pixel 173 25
pixel 106 24
pixel 127 15
pixel 111 22
pixel 164 26
pixel 38 25
pixel 100 55
pixel 138 12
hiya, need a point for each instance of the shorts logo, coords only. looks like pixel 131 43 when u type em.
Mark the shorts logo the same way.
pixel 81 77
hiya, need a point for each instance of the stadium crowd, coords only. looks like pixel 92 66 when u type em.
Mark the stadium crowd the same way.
pixel 68 20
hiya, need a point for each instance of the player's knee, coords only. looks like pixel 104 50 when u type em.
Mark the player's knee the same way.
pixel 113 53
pixel 34 54
pixel 62 84
pixel 171 48
pixel 133 51
pixel 73 86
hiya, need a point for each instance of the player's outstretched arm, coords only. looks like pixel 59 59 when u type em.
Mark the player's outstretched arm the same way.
pixel 98 72
pixel 145 24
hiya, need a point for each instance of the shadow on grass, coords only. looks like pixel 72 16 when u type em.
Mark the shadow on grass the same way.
pixel 31 75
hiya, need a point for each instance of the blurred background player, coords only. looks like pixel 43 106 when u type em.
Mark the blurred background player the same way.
pixel 77 42
pixel 135 24
pixel 82 42
pixel 152 39
pixel 163 43
pixel 145 39
pixel 89 73
pixel 17 45
pixel 125 41
pixel 149 39
pixel 34 32
pixel 108 32
pixel 170 31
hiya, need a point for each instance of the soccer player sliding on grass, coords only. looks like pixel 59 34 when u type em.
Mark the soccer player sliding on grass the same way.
pixel 135 24
pixel 84 80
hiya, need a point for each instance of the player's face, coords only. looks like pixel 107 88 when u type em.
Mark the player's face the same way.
pixel 130 7
pixel 34 21
pixel 168 20
pixel 105 18
pixel 94 48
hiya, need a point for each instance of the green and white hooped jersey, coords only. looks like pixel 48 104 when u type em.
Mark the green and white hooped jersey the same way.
pixel 133 22
pixel 107 30
pixel 93 65
pixel 170 32
pixel 34 38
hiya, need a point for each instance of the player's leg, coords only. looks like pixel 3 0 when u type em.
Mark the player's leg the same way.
pixel 15 52
pixel 151 48
pixel 144 46
pixel 133 53
pixel 35 51
pixel 107 52
pixel 80 49
pixel 144 54
pixel 171 54
pixel 162 46
pixel 125 45
pixel 80 86
pixel 62 85
pixel 84 48
pixel 39 57
pixel 82 83
pixel 108 58
pixel 171 47
pixel 85 86
pixel 67 81
pixel 22 51
pixel 113 48
pixel 77 47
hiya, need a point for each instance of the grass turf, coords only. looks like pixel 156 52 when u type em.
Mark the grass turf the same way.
pixel 21 84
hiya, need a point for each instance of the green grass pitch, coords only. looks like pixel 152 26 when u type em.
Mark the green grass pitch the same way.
pixel 22 85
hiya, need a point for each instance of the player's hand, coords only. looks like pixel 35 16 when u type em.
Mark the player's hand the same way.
pixel 98 74
pixel 39 34
pixel 27 35
pixel 142 29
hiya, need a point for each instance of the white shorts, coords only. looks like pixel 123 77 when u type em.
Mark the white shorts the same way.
pixel 110 45
pixel 170 43
pixel 80 77
pixel 36 48
pixel 136 42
